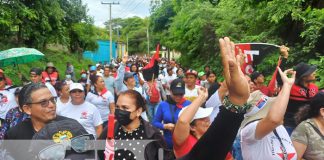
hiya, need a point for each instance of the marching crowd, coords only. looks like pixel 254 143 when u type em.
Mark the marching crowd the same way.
pixel 189 113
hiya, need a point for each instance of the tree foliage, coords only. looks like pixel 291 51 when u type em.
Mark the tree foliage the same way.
pixel 135 28
pixel 40 22
pixel 196 26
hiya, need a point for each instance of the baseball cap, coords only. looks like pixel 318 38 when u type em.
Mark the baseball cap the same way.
pixel 191 72
pixel 200 74
pixel 93 68
pixel 128 75
pixel 201 113
pixel 74 86
pixel 177 86
pixel 36 71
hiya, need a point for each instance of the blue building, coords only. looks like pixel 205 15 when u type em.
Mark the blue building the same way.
pixel 102 54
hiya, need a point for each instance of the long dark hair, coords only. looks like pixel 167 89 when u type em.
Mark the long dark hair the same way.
pixel 312 110
pixel 94 79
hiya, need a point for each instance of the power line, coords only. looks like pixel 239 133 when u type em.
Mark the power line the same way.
pixel 125 15
pixel 127 6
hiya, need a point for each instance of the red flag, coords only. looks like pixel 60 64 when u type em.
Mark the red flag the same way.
pixel 255 53
pixel 151 70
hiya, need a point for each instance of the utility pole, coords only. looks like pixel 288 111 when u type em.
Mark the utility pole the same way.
pixel 148 41
pixel 110 25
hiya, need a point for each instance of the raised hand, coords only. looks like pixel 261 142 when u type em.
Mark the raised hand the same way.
pixel 284 51
pixel 203 93
pixel 125 59
pixel 237 84
pixel 285 79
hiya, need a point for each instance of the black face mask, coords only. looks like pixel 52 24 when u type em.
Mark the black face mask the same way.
pixel 123 117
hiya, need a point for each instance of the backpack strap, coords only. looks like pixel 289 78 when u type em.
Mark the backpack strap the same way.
pixel 317 130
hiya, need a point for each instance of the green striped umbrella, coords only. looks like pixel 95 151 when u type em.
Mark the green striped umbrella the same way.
pixel 17 56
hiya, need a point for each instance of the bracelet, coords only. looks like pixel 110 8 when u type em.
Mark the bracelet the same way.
pixel 235 108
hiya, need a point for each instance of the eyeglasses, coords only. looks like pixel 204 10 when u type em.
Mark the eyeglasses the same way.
pixel 44 103
pixel 77 90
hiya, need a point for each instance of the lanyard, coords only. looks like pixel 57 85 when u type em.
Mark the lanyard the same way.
pixel 283 148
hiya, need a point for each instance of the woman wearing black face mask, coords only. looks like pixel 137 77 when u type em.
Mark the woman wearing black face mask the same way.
pixel 132 128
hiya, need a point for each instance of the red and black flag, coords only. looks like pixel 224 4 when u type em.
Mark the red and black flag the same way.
pixel 151 70
pixel 255 53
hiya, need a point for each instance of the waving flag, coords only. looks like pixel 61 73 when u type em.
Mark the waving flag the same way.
pixel 151 70
pixel 255 53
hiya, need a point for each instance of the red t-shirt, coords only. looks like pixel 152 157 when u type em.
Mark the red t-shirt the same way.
pixel 185 147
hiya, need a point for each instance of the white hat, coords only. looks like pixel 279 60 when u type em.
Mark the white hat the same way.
pixel 74 86
pixel 201 113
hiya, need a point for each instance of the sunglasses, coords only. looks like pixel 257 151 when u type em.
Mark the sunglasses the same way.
pixel 1 78
pixel 44 103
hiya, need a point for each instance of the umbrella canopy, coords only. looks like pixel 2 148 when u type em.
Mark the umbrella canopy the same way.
pixel 19 56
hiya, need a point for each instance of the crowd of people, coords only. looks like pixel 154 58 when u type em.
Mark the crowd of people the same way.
pixel 188 113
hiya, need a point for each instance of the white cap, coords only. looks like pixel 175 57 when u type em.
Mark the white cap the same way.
pixel 201 113
pixel 74 86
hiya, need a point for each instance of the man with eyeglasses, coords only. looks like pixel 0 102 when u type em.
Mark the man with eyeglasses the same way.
pixel 84 112
pixel 36 100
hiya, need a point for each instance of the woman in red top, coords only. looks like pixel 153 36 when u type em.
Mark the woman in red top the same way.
pixel 50 74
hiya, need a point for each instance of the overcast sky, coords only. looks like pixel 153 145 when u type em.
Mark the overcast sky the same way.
pixel 126 8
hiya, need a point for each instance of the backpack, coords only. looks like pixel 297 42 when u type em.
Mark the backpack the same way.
pixel 153 93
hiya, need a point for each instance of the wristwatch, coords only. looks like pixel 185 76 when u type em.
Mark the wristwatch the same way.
pixel 235 108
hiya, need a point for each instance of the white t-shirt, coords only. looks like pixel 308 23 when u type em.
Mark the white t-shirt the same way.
pixel 102 103
pixel 7 101
pixel 215 102
pixel 267 148
pixel 60 105
pixel 167 81
pixel 86 114
pixel 191 95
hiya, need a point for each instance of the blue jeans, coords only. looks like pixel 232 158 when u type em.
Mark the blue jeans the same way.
pixel 151 110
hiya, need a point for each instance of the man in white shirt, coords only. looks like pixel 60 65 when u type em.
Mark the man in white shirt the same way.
pixel 82 111
pixel 166 82
pixel 109 80
pixel 191 87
